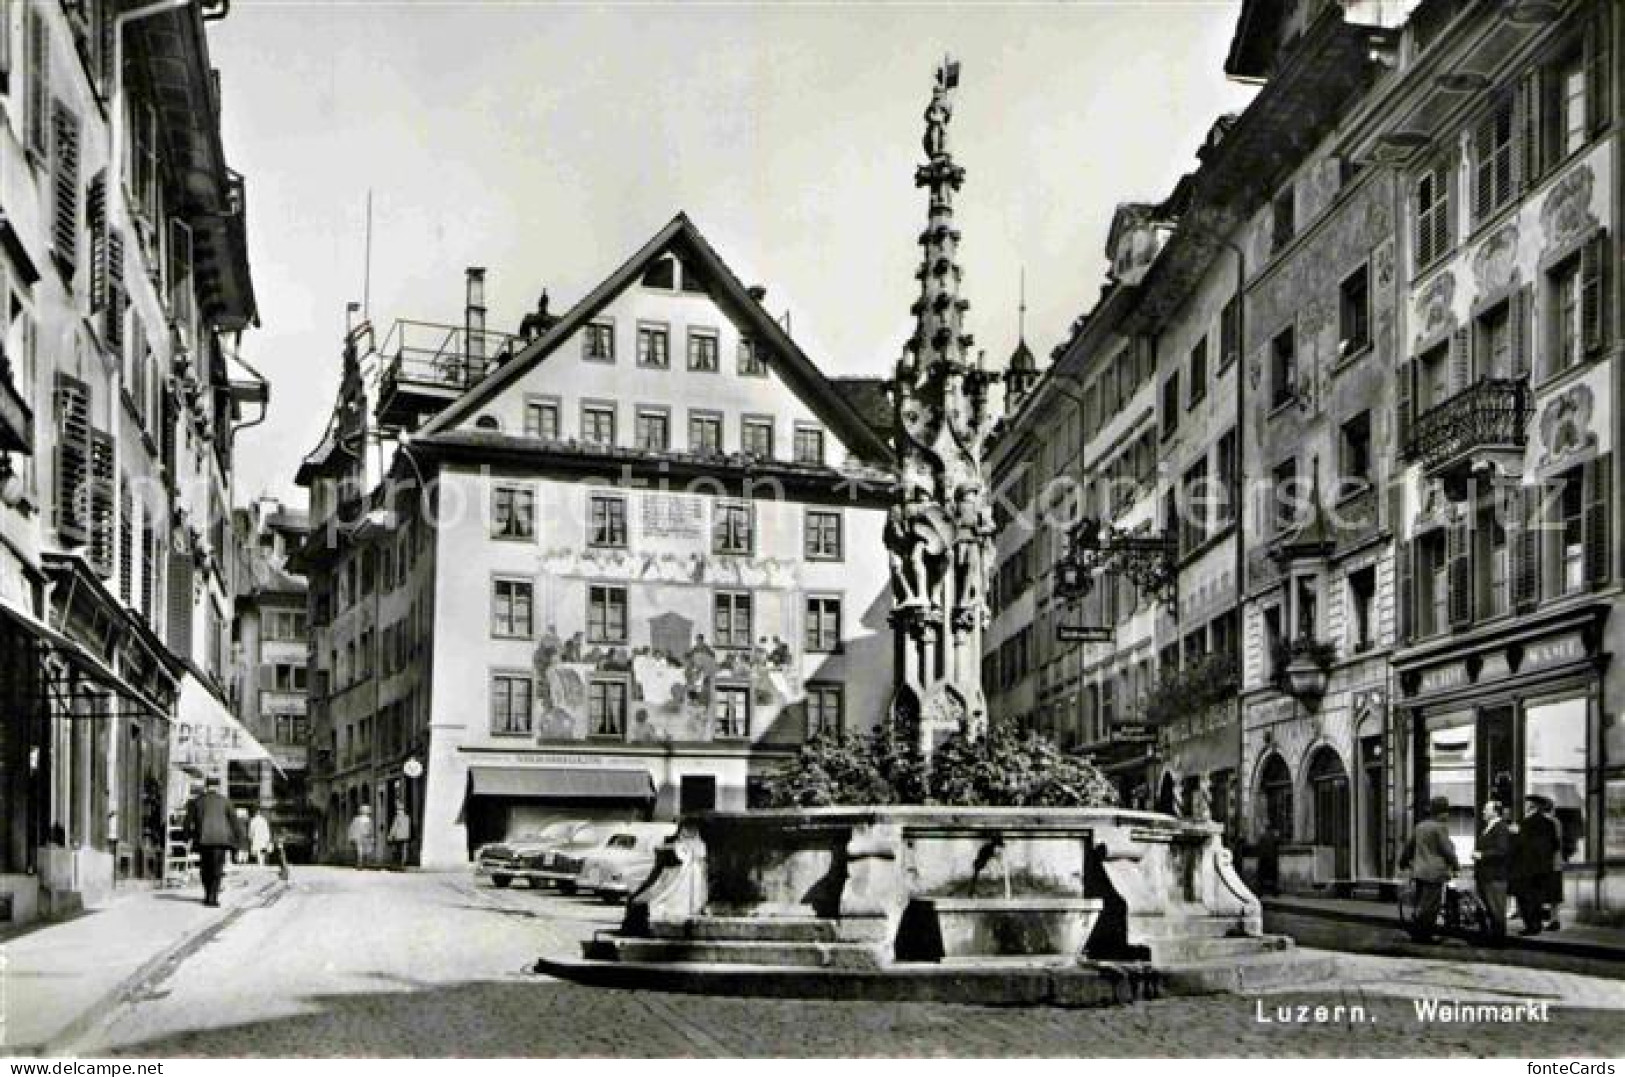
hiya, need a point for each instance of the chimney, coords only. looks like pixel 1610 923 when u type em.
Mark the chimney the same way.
pixel 756 292
pixel 474 324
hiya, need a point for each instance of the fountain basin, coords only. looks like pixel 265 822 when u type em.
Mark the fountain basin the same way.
pixel 981 927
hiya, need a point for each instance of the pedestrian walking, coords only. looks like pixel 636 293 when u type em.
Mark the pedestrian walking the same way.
pixel 400 835
pixel 362 834
pixel 240 853
pixel 1431 857
pixel 1536 845
pixel 259 836
pixel 1492 856
pixel 213 830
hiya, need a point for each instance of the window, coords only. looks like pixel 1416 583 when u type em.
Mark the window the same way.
pixel 732 711
pixel 732 530
pixel 1198 372
pixel 653 432
pixel 1569 113
pixel 809 445
pixel 702 349
pixel 1492 160
pixel 732 619
pixel 542 419
pixel 606 708
pixel 598 342
pixel 1432 202
pixel 513 513
pixel 1433 378
pixel 606 614
pixel 1354 450
pixel 1362 620
pixel 1286 494
pixel 1354 313
pixel 654 346
pixel 752 363
pixel 1493 350
pixel 1229 333
pixel 285 624
pixel 1283 368
pixel 1229 475
pixel 824 708
pixel 1432 583
pixel 1170 405
pixel 756 438
pixel 1571 506
pixel 1284 224
pixel 823 534
pixel 1193 527
pixel 510 704
pixel 662 273
pixel 287 677
pixel 598 424
pixel 511 609
pixel 1574 306
pixel 1274 643
pixel 704 433
pixel 823 624
pixel 65 186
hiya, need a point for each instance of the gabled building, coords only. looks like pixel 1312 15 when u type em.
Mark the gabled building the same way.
pixel 624 566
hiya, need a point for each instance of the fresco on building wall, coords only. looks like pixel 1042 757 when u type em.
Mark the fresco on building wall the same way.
pixel 671 670
pixel 1566 213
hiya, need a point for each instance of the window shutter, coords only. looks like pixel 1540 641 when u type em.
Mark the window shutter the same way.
pixel 1404 406
pixel 267 677
pixel 180 603
pixel 126 541
pixel 65 186
pixel 149 543
pixel 1405 569
pixel 39 82
pixel 1599 105
pixel 1484 166
pixel 1598 501
pixel 102 491
pixel 180 275
pixel 1526 580
pixel 106 27
pixel 1459 550
pixel 1520 316
pixel 1532 159
pixel 1593 269
pixel 1461 359
pixel 1521 555
pixel 96 226
pixel 72 456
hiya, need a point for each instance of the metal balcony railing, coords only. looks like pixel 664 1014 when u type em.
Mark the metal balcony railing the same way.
pixel 1491 413
pixel 448 356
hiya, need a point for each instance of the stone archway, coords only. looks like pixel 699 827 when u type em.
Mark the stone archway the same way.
pixel 1273 797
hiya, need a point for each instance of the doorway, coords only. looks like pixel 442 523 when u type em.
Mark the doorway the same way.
pixel 1329 790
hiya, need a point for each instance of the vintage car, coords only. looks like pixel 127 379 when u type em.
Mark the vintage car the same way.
pixel 503 861
pixel 561 865
pixel 625 862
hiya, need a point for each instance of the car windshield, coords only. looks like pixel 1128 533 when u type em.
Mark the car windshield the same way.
pixel 624 841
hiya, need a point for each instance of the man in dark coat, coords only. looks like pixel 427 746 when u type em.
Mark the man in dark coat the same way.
pixel 213 829
pixel 1535 845
pixel 1431 856
pixel 1490 864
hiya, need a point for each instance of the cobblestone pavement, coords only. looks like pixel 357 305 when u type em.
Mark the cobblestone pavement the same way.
pixel 375 964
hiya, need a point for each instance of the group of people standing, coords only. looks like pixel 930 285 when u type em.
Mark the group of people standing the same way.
pixel 1523 860
pixel 363 835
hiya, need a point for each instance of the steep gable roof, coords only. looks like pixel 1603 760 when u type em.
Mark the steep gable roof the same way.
pixel 784 354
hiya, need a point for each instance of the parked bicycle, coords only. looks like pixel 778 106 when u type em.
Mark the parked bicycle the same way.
pixel 1461 914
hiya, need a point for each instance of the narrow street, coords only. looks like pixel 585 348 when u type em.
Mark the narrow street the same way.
pixel 347 963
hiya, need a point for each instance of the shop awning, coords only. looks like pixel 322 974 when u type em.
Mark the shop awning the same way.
pixel 560 783
pixel 206 736
pixel 76 655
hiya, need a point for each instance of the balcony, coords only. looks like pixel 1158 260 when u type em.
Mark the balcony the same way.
pixel 427 366
pixel 1484 423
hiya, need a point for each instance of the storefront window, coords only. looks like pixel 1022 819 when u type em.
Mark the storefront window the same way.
pixel 1555 752
pixel 1451 760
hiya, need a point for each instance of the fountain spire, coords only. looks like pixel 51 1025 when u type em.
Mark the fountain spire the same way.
pixel 939 531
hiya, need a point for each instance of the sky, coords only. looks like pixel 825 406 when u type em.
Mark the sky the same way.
pixel 547 142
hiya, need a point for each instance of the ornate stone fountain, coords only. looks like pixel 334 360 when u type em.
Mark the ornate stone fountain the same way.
pixel 977 904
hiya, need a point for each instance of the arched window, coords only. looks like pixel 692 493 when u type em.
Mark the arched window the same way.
pixel 1275 794
pixel 1328 782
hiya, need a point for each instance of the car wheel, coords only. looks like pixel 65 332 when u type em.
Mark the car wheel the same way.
pixel 501 881
pixel 567 887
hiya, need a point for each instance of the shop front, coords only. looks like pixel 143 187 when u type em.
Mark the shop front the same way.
pixel 1507 715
